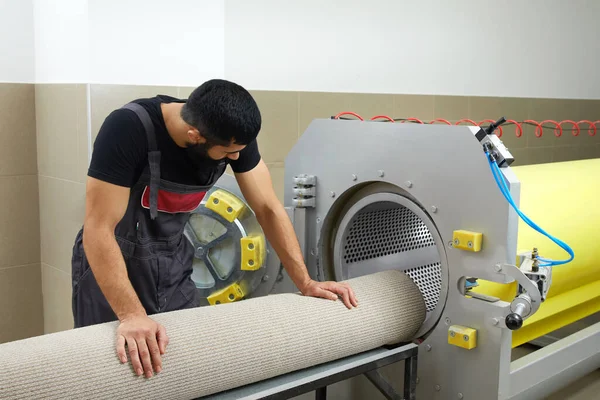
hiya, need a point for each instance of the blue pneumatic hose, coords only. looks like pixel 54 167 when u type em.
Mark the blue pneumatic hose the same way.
pixel 499 178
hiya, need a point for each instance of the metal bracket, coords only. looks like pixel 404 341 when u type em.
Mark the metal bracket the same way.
pixel 305 191
pixel 541 276
pixel 527 302
pixel 382 385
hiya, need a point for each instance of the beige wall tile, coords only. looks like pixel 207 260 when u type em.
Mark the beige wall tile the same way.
pixel 277 171
pixel 511 140
pixel 590 110
pixel 481 108
pixel 413 106
pixel 312 105
pixel 532 155
pixel 62 209
pixel 566 153
pixel 369 105
pixel 279 131
pixel 183 92
pixel 18 153
pixel 19 221
pixel 586 152
pixel 56 287
pixel 21 314
pixel 107 98
pixel 82 133
pixel 557 110
pixel 57 134
pixel 452 108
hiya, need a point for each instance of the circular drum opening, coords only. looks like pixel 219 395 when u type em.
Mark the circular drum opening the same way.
pixel 381 230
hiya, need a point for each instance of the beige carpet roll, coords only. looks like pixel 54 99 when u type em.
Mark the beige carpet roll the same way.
pixel 217 348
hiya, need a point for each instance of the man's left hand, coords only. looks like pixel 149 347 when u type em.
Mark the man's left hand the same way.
pixel 331 290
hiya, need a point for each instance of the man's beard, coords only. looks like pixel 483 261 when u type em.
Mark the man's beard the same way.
pixel 198 153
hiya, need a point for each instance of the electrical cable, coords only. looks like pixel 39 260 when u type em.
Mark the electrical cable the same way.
pixel 518 129
pixel 441 120
pixel 557 126
pixel 348 113
pixel 499 178
pixel 384 117
pixel 576 128
pixel 557 131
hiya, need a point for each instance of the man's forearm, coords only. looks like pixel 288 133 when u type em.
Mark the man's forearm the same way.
pixel 108 266
pixel 281 235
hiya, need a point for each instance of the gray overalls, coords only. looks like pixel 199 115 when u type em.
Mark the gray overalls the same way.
pixel 150 235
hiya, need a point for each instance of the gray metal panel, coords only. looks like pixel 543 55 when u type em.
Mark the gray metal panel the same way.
pixel 443 168
pixel 555 366
pixel 368 361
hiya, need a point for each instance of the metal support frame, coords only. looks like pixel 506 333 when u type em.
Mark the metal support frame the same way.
pixel 553 367
pixel 317 378
pixel 382 385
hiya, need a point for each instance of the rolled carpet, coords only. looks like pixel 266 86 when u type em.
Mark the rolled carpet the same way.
pixel 217 348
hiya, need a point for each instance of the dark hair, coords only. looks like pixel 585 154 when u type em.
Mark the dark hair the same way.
pixel 223 112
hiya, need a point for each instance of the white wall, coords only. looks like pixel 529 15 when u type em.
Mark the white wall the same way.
pixel 536 48
pixel 61 41
pixel 175 43
pixel 541 48
pixel 16 41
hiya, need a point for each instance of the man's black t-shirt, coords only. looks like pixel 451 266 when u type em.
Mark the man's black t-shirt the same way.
pixel 121 150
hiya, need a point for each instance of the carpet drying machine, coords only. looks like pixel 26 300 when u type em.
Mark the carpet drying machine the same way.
pixel 424 221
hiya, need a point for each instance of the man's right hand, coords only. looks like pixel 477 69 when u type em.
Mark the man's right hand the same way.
pixel 146 342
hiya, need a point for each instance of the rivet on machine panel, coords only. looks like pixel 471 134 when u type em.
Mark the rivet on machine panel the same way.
pixel 381 173
pixel 332 194
pixel 428 347
pixel 433 209
pixel 409 184
pixel 460 396
pixel 438 388
pixel 354 177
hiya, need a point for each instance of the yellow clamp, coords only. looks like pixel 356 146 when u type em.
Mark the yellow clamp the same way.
pixel 467 240
pixel 231 293
pixel 225 204
pixel 462 336
pixel 252 252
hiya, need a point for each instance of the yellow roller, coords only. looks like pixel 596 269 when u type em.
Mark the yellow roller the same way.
pixel 564 200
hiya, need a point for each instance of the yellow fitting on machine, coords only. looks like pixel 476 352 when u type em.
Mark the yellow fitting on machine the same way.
pixel 467 240
pixel 225 204
pixel 252 252
pixel 462 336
pixel 231 293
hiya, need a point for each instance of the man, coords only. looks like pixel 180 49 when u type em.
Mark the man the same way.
pixel 153 161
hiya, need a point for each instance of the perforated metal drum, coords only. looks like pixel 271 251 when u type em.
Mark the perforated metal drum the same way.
pixel 379 229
